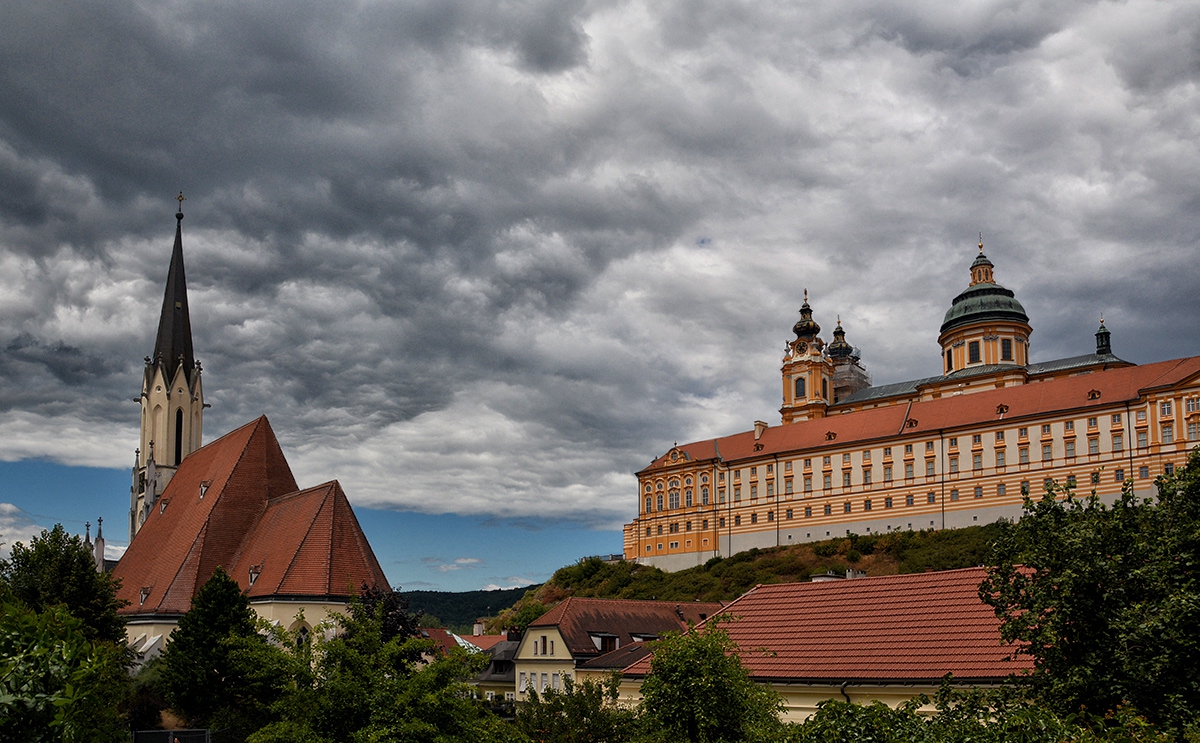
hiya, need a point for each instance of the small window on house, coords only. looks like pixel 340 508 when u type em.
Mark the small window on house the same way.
pixel 887 502
pixel 1001 489
pixel 909 500
pixel 828 509
pixel 1023 454
pixel 973 352
pixel 978 491
pixel 847 508
pixel 867 505
pixel 954 494
pixel 1006 349
pixel 931 498
pixel 1069 425
pixel 999 436
pixel 1000 458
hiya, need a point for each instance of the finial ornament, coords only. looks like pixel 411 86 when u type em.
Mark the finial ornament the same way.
pixel 981 243
pixel 806 296
pixel 180 198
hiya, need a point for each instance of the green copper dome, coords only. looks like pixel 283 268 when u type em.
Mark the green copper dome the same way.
pixel 983 301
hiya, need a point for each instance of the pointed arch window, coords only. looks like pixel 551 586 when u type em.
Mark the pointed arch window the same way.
pixel 178 435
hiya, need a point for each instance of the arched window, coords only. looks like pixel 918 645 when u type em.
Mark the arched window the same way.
pixel 660 502
pixel 178 435
pixel 648 504
pixel 800 393
pixel 704 495
pixel 673 499
pixel 687 497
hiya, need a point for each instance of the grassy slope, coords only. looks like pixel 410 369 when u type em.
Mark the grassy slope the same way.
pixel 724 579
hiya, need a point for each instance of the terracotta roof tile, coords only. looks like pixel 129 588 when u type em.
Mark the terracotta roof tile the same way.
pixel 250 514
pixel 576 618
pixel 952 412
pixel 900 627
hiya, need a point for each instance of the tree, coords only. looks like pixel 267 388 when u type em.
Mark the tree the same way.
pixel 1107 599
pixel 57 568
pixel 698 691
pixel 218 670
pixel 374 681
pixel 587 712
pixel 56 683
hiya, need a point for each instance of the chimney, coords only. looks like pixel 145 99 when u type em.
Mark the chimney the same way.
pixel 759 427
pixel 477 630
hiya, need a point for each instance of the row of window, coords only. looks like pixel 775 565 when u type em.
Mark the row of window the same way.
pixel 868 504
pixel 525 682
pixel 674 498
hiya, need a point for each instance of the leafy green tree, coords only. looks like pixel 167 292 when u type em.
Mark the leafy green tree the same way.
pixel 370 682
pixel 58 568
pixel 218 671
pixel 698 691
pixel 57 683
pixel 587 712
pixel 1107 599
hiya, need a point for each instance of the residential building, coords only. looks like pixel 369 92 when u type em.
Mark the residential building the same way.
pixel 578 630
pixel 886 639
pixel 948 451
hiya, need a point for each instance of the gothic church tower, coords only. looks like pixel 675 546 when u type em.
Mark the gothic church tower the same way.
pixel 172 398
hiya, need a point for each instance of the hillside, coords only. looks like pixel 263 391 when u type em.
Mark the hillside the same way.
pixel 458 611
pixel 724 579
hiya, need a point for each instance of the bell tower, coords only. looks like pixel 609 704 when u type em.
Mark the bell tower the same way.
pixel 807 371
pixel 172 398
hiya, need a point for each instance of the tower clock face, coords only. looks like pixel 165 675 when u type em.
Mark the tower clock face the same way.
pixel 801 347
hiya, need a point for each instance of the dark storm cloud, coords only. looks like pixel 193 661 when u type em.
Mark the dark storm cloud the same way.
pixel 493 257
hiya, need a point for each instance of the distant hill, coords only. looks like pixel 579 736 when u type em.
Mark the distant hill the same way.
pixel 458 611
pixel 724 579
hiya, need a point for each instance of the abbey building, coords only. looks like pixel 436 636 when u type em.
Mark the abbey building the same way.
pixel 948 451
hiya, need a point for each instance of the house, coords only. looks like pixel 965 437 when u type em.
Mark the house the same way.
pixel 886 639
pixel 578 630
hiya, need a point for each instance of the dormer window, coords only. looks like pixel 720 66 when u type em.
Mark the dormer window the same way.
pixel 203 489
pixel 162 504
pixel 145 594
pixel 255 570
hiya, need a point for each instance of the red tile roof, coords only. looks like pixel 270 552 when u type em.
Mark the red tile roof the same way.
pixel 890 628
pixel 307 543
pixel 973 409
pixel 484 642
pixel 576 618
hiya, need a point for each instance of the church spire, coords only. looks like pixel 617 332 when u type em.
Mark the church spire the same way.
pixel 172 397
pixel 173 347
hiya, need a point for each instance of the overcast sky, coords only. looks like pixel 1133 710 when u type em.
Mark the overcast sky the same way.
pixel 490 259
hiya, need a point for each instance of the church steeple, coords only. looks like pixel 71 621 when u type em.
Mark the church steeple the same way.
pixel 173 347
pixel 172 398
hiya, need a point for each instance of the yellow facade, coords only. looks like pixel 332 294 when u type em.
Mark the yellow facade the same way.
pixel 542 661
pixel 756 489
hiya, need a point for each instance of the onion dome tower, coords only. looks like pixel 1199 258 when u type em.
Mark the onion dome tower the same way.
pixel 849 376
pixel 985 326
pixel 172 398
pixel 807 371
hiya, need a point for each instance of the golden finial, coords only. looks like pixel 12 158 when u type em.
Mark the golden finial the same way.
pixel 981 242
pixel 181 198
pixel 806 296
